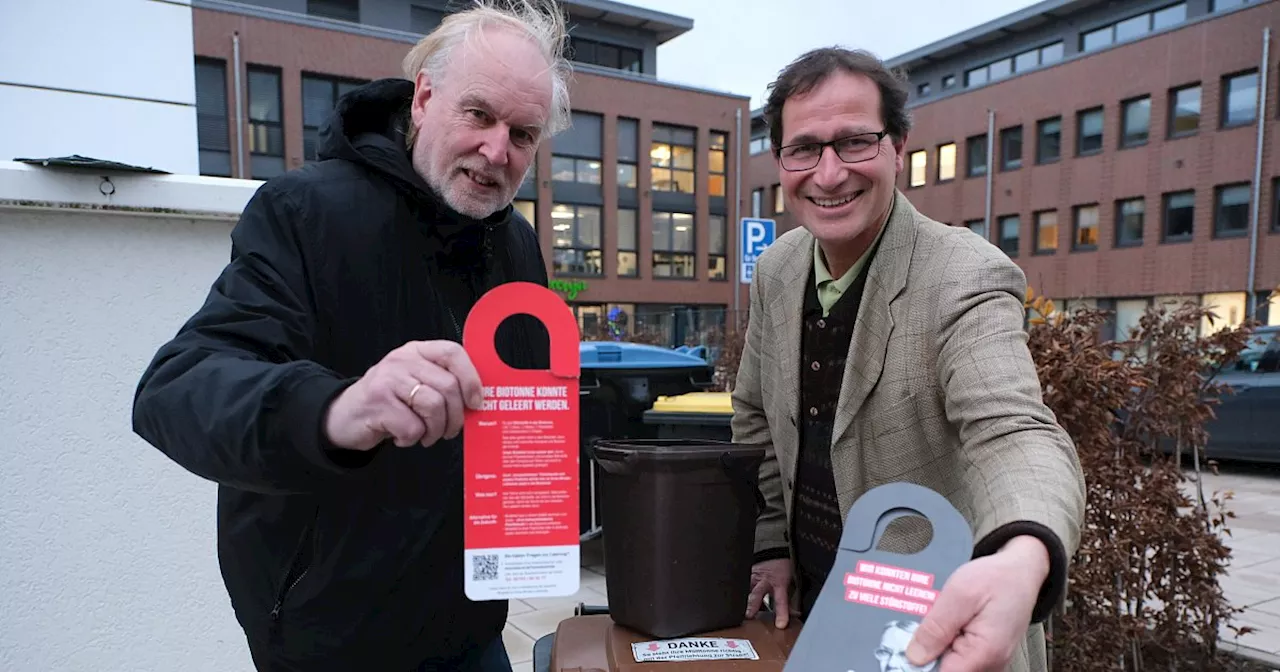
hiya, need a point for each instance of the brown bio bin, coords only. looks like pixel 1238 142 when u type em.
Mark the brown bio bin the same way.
pixel 594 643
pixel 680 519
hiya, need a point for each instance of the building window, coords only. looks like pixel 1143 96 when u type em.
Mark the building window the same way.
pixel 717 258
pixel 342 10
pixel 1179 216
pixel 716 163
pixel 266 127
pixel 779 202
pixel 1231 210
pixel 628 249
pixel 1052 53
pixel 213 139
pixel 673 255
pixel 757 201
pixel 628 152
pixel 1046 232
pixel 977 226
pixel 1097 39
pixel 923 90
pixel 1006 67
pixel 919 167
pixel 605 55
pixel 1275 209
pixel 319 98
pixel 1048 140
pixel 1130 221
pixel 1240 99
pixel 976 155
pixel 1089 132
pixel 575 238
pixel 1000 69
pixel 1133 27
pixel 1011 148
pixel 948 82
pixel 759 145
pixel 576 151
pixel 1009 226
pixel 1135 121
pixel 671 159
pixel 529 209
pixel 1086 228
pixel 1169 16
pixel 947 162
pixel 1184 111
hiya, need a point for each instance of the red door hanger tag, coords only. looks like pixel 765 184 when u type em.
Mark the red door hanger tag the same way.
pixel 521 455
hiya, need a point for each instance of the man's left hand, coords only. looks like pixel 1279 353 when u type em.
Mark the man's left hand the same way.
pixel 983 611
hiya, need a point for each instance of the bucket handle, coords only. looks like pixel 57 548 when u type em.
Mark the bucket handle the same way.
pixel 616 463
pixel 740 472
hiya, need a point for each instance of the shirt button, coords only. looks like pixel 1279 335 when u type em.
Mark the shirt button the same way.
pixel 813 410
pixel 822 323
pixel 815 366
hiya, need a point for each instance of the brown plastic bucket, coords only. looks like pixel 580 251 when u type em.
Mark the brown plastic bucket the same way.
pixel 679 519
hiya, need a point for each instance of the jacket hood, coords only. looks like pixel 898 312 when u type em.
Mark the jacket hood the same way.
pixel 368 127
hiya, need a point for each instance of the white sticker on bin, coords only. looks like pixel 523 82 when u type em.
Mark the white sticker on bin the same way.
pixel 694 648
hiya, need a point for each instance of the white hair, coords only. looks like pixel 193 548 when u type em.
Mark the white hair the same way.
pixel 541 20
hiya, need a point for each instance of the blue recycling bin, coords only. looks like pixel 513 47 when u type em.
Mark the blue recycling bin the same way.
pixel 619 382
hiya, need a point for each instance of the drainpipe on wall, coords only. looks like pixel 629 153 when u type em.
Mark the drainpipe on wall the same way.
pixel 235 53
pixel 1257 174
pixel 991 169
pixel 733 270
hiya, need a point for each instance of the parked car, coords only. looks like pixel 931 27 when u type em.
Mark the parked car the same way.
pixel 1247 426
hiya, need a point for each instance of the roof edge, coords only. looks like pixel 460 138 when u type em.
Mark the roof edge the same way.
pixel 977 31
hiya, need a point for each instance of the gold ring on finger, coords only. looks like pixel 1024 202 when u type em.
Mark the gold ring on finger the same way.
pixel 413 392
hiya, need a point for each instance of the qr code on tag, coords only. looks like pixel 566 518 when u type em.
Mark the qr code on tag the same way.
pixel 484 567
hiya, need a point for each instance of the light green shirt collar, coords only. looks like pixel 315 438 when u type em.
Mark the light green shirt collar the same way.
pixel 830 289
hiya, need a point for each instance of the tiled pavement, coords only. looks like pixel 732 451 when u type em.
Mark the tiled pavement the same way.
pixel 1253 581
pixel 1253 578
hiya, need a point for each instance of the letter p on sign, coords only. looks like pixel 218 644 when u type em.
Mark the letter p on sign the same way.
pixel 756 235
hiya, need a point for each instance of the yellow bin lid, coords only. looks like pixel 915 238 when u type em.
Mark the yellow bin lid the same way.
pixel 713 403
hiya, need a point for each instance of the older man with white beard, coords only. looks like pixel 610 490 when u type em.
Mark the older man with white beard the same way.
pixel 322 384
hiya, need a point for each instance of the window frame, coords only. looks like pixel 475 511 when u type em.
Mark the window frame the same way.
pixel 576 245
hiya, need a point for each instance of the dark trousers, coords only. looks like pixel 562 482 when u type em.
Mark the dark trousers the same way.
pixel 490 658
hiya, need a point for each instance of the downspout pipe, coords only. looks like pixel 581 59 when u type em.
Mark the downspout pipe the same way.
pixel 235 50
pixel 1257 174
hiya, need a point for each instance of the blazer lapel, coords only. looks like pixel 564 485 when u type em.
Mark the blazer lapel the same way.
pixel 886 277
pixel 787 311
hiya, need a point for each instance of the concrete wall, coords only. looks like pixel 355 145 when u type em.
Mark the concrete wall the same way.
pixel 115 83
pixel 109 559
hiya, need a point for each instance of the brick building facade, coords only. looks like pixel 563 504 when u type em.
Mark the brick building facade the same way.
pixel 634 205
pixel 1109 148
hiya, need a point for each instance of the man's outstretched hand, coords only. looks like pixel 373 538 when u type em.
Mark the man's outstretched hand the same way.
pixel 418 393
pixel 771 577
pixel 983 611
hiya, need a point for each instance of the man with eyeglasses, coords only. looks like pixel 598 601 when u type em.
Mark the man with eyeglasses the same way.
pixel 883 346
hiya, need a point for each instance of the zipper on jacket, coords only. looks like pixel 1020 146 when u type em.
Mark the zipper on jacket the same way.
pixel 275 611
pixel 307 535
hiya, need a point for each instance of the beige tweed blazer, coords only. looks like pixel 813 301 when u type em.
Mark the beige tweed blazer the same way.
pixel 940 390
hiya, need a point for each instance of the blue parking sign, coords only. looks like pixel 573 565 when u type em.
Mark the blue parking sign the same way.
pixel 755 236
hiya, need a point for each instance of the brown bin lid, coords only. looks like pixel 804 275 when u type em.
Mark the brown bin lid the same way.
pixel 596 644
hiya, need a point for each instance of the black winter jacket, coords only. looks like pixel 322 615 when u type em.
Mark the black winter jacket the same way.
pixel 336 560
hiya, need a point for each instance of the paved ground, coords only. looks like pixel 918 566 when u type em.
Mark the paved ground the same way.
pixel 1253 581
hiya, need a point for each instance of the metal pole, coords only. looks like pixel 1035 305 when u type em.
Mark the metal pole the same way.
pixel 991 168
pixel 733 270
pixel 235 45
pixel 1257 174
